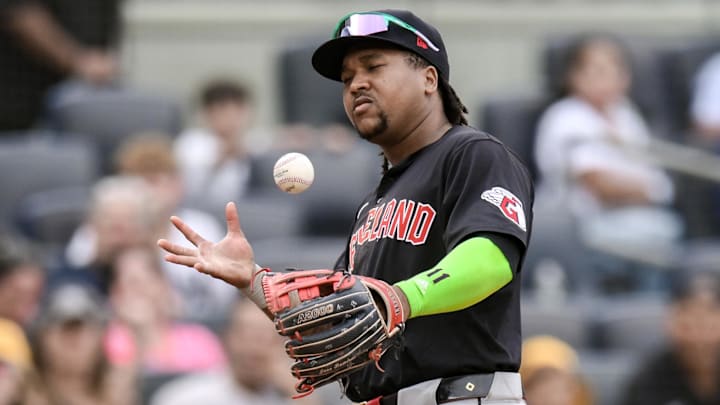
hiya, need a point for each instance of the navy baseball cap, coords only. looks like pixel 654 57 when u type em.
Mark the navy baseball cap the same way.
pixel 395 28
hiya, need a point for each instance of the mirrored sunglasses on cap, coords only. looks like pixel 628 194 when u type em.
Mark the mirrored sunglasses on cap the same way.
pixel 363 24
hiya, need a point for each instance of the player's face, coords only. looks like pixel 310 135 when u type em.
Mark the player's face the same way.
pixel 380 92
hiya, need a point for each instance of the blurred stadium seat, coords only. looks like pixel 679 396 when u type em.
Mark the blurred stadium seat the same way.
pixel 299 252
pixel 678 64
pixel 632 323
pixel 46 180
pixel 51 216
pixel 608 373
pixel 556 249
pixel 105 116
pixel 266 216
pixel 700 255
pixel 513 121
pixel 305 96
pixel 341 183
pixel 696 198
pixel 261 173
pixel 567 321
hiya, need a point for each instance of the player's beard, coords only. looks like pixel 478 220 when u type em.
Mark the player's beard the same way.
pixel 380 126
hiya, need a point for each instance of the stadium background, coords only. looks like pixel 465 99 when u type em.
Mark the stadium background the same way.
pixel 499 62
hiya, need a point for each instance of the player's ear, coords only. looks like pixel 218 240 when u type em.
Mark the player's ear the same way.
pixel 431 79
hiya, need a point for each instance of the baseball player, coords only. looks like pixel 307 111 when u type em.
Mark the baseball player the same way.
pixel 440 241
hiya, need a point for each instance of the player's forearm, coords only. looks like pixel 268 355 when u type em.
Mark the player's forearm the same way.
pixel 471 272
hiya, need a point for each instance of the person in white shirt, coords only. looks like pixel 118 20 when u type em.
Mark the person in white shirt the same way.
pixel 705 133
pixel 705 103
pixel 214 161
pixel 582 152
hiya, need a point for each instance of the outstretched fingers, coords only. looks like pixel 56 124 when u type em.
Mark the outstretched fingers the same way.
pixel 189 261
pixel 187 231
pixel 233 221
pixel 179 254
pixel 176 249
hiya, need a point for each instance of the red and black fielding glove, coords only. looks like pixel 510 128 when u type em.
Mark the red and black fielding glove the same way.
pixel 335 322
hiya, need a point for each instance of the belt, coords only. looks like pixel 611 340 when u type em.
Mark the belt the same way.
pixel 450 389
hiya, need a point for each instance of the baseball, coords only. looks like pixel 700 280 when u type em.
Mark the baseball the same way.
pixel 293 173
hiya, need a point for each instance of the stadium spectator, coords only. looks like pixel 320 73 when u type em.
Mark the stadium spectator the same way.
pixel 70 363
pixel 705 119
pixel 687 369
pixel 550 373
pixel 44 42
pixel 150 157
pixel 122 213
pixel 214 159
pixel 582 154
pixel 705 104
pixel 145 331
pixel 22 281
pixel 256 372
pixel 15 362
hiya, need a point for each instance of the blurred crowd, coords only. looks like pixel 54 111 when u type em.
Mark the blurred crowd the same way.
pixel 91 314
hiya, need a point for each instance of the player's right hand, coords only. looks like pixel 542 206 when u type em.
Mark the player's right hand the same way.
pixel 230 259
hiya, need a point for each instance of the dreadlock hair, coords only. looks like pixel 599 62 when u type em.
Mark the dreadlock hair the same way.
pixel 385 164
pixel 453 107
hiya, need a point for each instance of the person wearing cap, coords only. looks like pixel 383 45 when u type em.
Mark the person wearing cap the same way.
pixel 448 225
pixel 70 365
pixel 686 370
pixel 550 373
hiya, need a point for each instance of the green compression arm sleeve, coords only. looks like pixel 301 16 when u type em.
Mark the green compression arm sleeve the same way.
pixel 471 272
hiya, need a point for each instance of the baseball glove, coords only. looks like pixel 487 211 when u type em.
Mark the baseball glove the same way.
pixel 335 322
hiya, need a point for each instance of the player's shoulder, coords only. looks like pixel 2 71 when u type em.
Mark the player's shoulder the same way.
pixel 461 136
pixel 465 138
pixel 468 144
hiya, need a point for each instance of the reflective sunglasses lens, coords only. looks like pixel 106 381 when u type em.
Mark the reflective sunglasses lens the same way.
pixel 363 24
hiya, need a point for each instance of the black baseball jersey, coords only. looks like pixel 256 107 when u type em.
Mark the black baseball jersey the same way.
pixel 465 184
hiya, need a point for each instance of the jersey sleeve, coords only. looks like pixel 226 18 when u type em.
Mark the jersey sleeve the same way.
pixel 487 189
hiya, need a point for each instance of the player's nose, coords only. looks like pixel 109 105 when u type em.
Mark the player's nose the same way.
pixel 358 84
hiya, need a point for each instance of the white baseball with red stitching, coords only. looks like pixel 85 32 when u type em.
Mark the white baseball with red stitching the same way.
pixel 293 173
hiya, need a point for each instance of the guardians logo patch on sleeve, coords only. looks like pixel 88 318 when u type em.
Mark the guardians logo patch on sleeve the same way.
pixel 510 206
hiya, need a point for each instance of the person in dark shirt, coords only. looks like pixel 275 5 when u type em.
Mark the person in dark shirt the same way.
pixel 43 42
pixel 687 370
